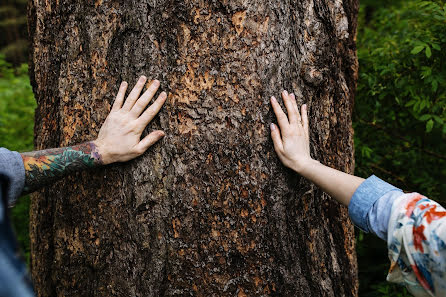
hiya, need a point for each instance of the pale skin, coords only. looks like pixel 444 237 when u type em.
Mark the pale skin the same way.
pixel 119 139
pixel 292 144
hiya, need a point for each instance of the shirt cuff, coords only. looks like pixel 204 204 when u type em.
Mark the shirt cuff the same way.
pixel 363 199
pixel 11 165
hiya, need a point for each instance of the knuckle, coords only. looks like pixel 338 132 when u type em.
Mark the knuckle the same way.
pixel 150 114
pixel 129 99
pixel 139 150
pixel 134 126
pixel 140 104
pixel 128 125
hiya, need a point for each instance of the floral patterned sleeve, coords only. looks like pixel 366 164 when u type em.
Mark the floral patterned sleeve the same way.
pixel 416 240
pixel 414 228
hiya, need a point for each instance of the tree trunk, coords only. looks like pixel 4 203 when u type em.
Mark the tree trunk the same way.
pixel 209 211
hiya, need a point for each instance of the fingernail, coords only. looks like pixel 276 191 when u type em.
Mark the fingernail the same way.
pixel 304 106
pixel 123 84
pixel 273 127
pixel 156 82
pixel 285 92
pixel 292 95
pixel 273 99
pixel 142 78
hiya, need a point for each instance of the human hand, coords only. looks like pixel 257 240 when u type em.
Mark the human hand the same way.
pixel 291 141
pixel 119 138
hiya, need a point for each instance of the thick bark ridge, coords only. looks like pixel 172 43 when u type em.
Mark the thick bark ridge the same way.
pixel 209 211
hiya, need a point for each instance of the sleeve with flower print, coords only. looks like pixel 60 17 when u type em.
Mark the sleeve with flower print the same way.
pixel 417 245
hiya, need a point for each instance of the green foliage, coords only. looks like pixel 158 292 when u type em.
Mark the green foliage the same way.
pixel 400 112
pixel 17 106
pixel 401 98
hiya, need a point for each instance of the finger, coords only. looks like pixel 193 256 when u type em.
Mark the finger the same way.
pixel 294 104
pixel 280 115
pixel 120 96
pixel 277 140
pixel 152 111
pixel 148 141
pixel 134 94
pixel 305 120
pixel 142 102
pixel 292 113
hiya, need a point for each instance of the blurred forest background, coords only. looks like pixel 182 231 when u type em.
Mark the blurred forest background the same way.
pixel 399 115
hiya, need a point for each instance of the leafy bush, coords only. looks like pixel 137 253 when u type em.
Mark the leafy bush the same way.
pixel 401 98
pixel 17 106
pixel 400 112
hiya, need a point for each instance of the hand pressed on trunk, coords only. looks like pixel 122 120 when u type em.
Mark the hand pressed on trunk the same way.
pixel 293 149
pixel 292 141
pixel 119 139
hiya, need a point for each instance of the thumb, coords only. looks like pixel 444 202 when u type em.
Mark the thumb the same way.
pixel 149 140
pixel 277 140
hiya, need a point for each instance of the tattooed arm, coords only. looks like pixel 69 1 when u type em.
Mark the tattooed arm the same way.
pixel 119 139
pixel 44 167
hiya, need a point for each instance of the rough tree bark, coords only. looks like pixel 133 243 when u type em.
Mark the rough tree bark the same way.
pixel 210 211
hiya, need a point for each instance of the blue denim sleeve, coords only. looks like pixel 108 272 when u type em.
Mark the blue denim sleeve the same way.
pixel 14 280
pixel 12 172
pixel 371 205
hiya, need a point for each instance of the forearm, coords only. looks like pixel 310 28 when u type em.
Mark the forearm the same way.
pixel 119 139
pixel 292 144
pixel 46 166
pixel 337 184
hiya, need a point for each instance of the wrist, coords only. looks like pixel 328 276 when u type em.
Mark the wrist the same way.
pixel 99 152
pixel 304 166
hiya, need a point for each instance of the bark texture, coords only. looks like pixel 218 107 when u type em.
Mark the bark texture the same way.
pixel 209 211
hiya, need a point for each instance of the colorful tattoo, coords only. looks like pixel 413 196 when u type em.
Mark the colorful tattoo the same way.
pixel 43 167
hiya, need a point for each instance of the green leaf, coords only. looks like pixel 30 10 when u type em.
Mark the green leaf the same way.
pixel 426 71
pixel 422 105
pixel 436 46
pixel 434 85
pixel 428 52
pixel 438 119
pixel 417 49
pixel 429 126
pixel 425 117
pixel 410 103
